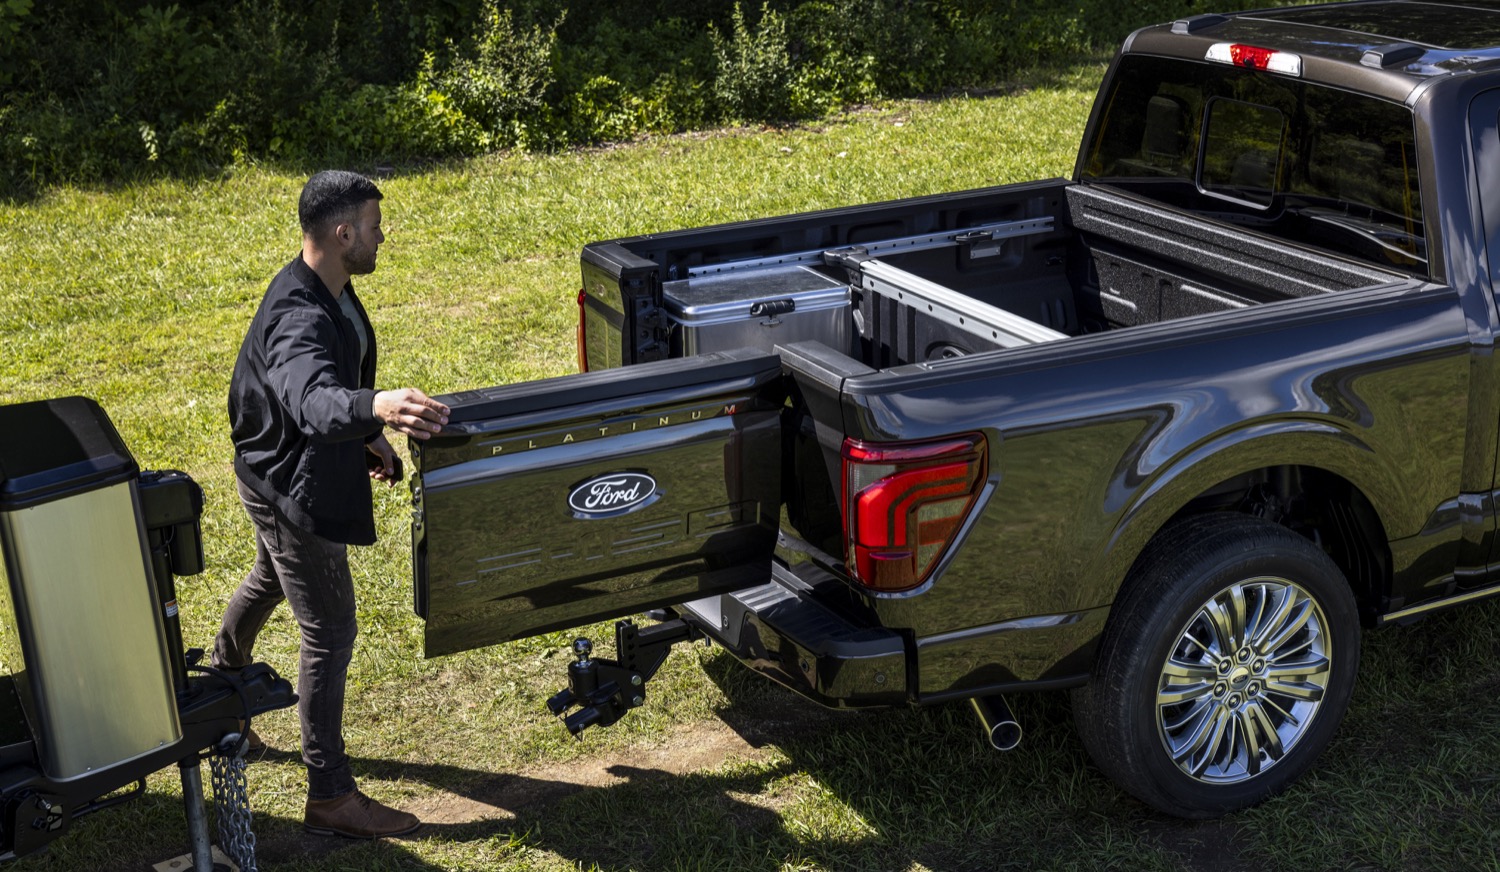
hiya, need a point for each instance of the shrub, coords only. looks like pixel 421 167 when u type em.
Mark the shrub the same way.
pixel 755 71
pixel 499 78
pixel 172 60
pixel 378 123
pixel 832 72
pixel 96 89
pixel 616 80
pixel 13 14
pixel 421 121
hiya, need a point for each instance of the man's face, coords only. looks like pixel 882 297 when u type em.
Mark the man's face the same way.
pixel 359 255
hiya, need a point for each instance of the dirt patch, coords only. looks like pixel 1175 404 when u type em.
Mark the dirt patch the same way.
pixel 494 802
pixel 690 748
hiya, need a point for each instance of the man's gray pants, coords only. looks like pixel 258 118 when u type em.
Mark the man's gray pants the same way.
pixel 312 575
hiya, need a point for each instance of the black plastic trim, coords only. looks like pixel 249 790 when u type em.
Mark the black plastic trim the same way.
pixel 1198 22
pixel 571 390
pixel 790 638
pixel 51 449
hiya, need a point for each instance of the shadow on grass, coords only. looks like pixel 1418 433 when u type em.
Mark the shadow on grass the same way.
pixel 19 192
pixel 1409 783
pixel 880 790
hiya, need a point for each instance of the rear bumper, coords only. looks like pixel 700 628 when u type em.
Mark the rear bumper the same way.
pixel 778 630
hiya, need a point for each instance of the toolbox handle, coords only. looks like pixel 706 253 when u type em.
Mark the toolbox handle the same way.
pixel 772 308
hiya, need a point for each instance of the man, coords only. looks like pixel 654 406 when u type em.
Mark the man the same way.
pixel 308 431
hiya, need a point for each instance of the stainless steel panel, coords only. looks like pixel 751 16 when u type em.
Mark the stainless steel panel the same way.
pixel 983 238
pixel 714 313
pixel 95 681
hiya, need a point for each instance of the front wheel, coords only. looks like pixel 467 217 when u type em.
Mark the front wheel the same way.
pixel 1225 668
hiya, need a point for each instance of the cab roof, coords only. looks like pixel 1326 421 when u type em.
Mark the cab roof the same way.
pixel 1384 47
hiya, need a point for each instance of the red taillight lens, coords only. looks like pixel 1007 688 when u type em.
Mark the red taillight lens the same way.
pixel 583 352
pixel 904 503
pixel 1255 58
pixel 1249 56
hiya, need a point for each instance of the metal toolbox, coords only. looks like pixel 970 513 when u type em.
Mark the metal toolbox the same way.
pixel 81 634
pixel 757 309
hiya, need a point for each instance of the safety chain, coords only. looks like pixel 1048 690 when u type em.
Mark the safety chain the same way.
pixel 232 808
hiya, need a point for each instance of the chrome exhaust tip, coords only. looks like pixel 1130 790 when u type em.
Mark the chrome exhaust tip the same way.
pixel 1000 726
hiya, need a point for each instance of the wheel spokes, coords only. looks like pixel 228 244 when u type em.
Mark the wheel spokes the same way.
pixel 1299 690
pixel 1205 743
pixel 1286 623
pixel 1245 678
pixel 1183 681
pixel 1259 728
pixel 1226 617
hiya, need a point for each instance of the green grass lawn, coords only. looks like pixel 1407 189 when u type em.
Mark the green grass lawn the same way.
pixel 139 296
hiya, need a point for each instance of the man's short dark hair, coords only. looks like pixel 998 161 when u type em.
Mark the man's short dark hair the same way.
pixel 333 197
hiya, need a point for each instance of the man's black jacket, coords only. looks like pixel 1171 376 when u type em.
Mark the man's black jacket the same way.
pixel 301 408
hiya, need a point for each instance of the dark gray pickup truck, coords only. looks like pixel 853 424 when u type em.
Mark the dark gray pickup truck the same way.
pixel 1168 434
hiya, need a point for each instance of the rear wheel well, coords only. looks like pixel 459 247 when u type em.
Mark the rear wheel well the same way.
pixel 1320 506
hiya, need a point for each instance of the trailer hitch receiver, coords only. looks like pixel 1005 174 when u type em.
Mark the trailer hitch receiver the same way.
pixel 603 691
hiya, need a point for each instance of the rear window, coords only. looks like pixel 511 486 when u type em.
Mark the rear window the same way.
pixel 1304 162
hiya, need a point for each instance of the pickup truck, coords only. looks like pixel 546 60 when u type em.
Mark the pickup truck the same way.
pixel 1168 434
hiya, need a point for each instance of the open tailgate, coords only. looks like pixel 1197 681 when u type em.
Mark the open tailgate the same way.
pixel 552 504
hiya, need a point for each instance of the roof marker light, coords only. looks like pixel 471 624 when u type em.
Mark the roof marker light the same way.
pixel 1255 58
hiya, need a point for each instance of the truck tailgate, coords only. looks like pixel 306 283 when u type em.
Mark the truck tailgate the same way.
pixel 557 503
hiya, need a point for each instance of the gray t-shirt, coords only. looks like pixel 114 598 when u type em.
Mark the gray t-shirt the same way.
pixel 347 305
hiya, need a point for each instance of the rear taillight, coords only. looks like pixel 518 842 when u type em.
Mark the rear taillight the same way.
pixel 904 503
pixel 583 351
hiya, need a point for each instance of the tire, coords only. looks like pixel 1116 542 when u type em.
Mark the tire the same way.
pixel 1225 668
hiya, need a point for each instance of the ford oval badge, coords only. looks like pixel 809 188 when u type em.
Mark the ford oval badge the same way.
pixel 614 494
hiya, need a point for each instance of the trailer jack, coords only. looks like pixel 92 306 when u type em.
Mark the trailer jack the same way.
pixel 605 690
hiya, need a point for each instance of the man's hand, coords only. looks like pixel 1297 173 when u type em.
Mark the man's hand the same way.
pixel 385 465
pixel 411 412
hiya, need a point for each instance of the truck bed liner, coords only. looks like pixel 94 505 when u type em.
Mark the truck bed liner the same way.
pixel 1015 267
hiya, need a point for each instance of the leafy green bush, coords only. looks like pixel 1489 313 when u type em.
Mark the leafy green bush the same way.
pixel 499 77
pixel 755 70
pixel 172 58
pixel 661 69
pixel 101 89
pixel 12 14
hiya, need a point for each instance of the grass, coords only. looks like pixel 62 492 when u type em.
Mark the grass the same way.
pixel 139 297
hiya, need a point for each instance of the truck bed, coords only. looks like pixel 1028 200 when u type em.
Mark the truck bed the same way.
pixel 1085 259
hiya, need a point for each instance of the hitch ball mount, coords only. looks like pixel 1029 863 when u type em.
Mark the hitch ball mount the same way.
pixel 606 690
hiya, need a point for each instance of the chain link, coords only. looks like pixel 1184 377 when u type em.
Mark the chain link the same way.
pixel 232 808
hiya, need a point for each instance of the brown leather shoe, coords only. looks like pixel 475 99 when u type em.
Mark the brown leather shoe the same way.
pixel 356 816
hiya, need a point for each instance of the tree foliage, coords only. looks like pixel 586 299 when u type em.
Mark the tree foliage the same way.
pixel 106 89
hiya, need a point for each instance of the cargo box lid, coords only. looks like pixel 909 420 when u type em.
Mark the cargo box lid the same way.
pixel 51 449
pixel 732 296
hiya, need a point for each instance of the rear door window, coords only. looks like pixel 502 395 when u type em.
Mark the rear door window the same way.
pixel 1242 150
pixel 1308 163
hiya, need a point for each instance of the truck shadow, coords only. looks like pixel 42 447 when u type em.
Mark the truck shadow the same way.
pixel 919 788
pixel 826 789
pixel 646 819
pixel 909 788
